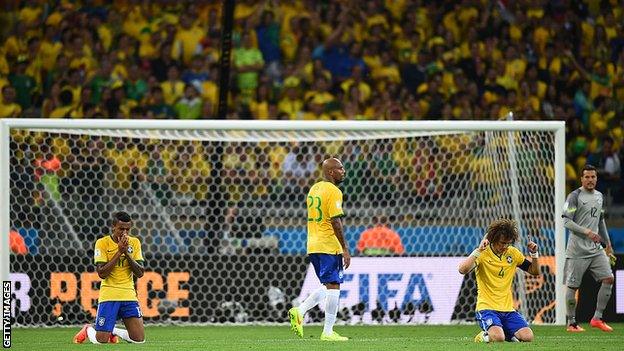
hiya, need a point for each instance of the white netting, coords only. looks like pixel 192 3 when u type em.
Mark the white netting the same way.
pixel 222 215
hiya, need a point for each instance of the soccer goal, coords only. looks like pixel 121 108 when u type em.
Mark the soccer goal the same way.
pixel 220 209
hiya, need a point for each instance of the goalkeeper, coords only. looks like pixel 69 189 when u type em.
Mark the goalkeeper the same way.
pixel 118 258
pixel 495 261
pixel 584 217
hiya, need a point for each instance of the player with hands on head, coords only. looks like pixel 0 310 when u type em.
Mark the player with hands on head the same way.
pixel 583 216
pixel 495 261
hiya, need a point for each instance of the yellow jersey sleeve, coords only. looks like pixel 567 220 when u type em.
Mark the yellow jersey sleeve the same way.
pixel 478 259
pixel 99 253
pixel 137 253
pixel 335 203
pixel 518 256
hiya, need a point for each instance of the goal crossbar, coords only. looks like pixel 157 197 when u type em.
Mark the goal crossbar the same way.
pixel 557 127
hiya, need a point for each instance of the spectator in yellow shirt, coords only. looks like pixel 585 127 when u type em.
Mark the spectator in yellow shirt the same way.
pixel 50 48
pixel 16 44
pixel 65 110
pixel 291 103
pixel 260 106
pixel 187 39
pixel 8 107
pixel 30 14
pixel 317 110
pixel 173 87
pixel 356 80
pixel 52 101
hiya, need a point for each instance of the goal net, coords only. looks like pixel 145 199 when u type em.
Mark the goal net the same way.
pixel 220 209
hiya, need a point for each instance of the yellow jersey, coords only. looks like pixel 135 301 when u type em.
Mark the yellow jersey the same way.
pixel 494 277
pixel 324 203
pixel 119 285
pixel 12 110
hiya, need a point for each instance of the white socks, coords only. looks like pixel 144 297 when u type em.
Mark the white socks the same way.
pixel 122 333
pixel 331 297
pixel 331 309
pixel 316 297
pixel 91 335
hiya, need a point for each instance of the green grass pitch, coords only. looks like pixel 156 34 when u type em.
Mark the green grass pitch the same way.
pixel 388 337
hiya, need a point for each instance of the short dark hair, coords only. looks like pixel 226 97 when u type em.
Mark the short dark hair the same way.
pixel 502 229
pixel 121 217
pixel 588 167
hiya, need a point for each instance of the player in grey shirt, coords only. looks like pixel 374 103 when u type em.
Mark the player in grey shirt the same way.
pixel 584 217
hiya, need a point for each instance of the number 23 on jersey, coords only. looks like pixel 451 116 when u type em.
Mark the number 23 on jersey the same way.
pixel 315 214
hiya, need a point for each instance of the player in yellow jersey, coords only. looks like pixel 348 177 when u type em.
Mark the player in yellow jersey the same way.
pixel 327 249
pixel 495 262
pixel 118 258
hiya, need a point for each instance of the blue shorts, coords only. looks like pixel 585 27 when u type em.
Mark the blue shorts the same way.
pixel 328 267
pixel 109 311
pixel 511 322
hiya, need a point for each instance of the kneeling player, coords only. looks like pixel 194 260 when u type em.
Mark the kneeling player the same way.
pixel 495 261
pixel 118 257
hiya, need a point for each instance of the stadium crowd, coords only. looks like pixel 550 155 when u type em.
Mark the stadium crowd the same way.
pixel 374 59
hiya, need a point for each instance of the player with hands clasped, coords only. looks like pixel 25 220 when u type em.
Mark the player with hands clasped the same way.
pixel 495 262
pixel 118 258
pixel 584 217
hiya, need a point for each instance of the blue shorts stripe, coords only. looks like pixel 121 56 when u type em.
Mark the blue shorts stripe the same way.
pixel 482 322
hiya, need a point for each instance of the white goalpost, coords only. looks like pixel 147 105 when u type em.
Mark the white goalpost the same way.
pixel 223 198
